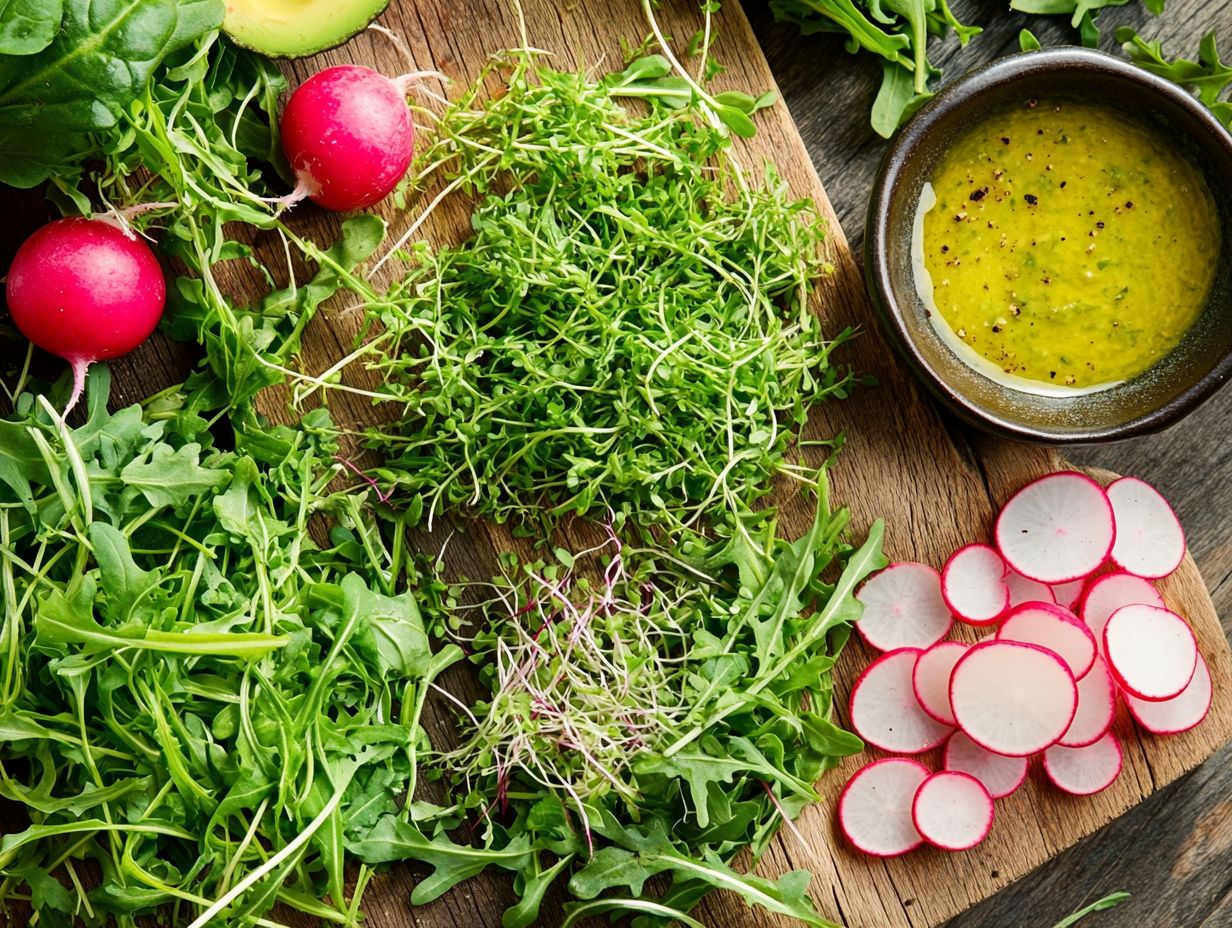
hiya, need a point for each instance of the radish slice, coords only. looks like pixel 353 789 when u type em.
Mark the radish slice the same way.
pixel 1151 652
pixel 1026 590
pixel 1057 529
pixel 1096 707
pixel 1084 771
pixel 1013 698
pixel 1150 541
pixel 874 810
pixel 1109 593
pixel 931 679
pixel 973 585
pixel 1000 775
pixel 952 811
pixel 903 608
pixel 1181 713
pixel 885 712
pixel 1054 628
pixel 1068 594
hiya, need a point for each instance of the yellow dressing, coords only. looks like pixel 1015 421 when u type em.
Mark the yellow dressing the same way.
pixel 1069 245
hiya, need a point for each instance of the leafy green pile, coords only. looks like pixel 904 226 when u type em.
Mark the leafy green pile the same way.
pixel 661 720
pixel 197 702
pixel 628 328
pixel 1208 77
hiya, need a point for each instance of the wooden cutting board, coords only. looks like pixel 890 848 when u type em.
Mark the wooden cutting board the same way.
pixel 935 486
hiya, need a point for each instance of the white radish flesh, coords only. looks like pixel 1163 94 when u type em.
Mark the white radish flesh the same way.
pixel 1181 713
pixel 1096 707
pixel 1068 594
pixel 1013 698
pixel 1025 590
pixel 903 608
pixel 1109 593
pixel 952 811
pixel 973 585
pixel 1151 652
pixel 1057 529
pixel 874 810
pixel 931 679
pixel 1000 775
pixel 1054 628
pixel 885 712
pixel 1150 541
pixel 1087 770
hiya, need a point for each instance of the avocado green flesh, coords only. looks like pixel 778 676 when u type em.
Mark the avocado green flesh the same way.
pixel 297 28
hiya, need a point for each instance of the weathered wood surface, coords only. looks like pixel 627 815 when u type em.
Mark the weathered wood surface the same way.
pixel 936 484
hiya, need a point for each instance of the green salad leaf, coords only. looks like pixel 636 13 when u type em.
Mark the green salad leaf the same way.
pixel 28 26
pixel 1208 76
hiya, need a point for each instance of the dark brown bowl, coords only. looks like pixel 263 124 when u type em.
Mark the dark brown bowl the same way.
pixel 1171 389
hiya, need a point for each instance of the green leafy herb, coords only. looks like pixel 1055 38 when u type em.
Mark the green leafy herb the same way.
pixel 28 26
pixel 1208 77
pixel 1108 902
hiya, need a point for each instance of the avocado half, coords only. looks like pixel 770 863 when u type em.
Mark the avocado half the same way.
pixel 297 28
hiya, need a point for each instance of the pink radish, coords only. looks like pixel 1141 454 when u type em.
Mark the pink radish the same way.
pixel 952 811
pixel 1109 593
pixel 1181 713
pixel 1000 775
pixel 1150 541
pixel 973 585
pixel 1054 628
pixel 903 608
pixel 1087 770
pixel 1151 652
pixel 931 679
pixel 874 810
pixel 86 290
pixel 885 712
pixel 1068 594
pixel 1097 693
pixel 1024 590
pixel 1013 698
pixel 1057 528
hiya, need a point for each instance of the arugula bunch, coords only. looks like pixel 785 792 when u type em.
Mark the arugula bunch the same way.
pixel 1208 77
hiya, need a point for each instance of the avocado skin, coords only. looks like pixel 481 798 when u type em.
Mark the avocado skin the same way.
pixel 277 36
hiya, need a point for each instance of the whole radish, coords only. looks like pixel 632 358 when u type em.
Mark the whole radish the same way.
pixel 86 290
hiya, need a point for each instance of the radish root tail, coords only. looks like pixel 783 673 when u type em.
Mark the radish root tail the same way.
pixel 79 368
pixel 412 78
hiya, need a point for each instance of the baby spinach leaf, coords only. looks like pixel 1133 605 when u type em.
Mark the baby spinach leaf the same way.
pixel 28 26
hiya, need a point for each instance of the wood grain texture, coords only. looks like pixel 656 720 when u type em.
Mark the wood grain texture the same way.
pixel 936 485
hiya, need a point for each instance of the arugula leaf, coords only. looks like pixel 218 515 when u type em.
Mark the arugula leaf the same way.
pixel 28 26
pixel 171 477
pixel 1208 77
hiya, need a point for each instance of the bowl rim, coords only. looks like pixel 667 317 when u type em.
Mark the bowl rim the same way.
pixel 980 82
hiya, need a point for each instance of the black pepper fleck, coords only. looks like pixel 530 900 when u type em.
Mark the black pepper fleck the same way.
pixel 977 195
pixel 1030 198
pixel 1063 183
pixel 1005 140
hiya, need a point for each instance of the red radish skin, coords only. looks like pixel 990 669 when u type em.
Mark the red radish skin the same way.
pixel 1151 652
pixel 1150 540
pixel 884 710
pixel 1000 775
pixel 1054 628
pixel 1057 529
pixel 973 585
pixel 931 679
pixel 874 809
pixel 1067 594
pixel 952 811
pixel 85 290
pixel 348 135
pixel 1097 693
pixel 1013 698
pixel 1108 593
pixel 903 608
pixel 1087 770
pixel 1024 590
pixel 1179 714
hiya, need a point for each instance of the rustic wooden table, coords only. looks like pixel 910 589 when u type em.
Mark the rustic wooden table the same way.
pixel 1174 851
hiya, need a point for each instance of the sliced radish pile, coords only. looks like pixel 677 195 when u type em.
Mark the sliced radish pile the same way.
pixel 903 608
pixel 1025 590
pixel 931 679
pixel 1054 628
pixel 1109 593
pixel 1150 541
pixel 1072 639
pixel 1181 713
pixel 874 810
pixel 1097 694
pixel 1000 775
pixel 1013 698
pixel 973 585
pixel 1087 770
pixel 1057 529
pixel 952 811
pixel 885 712
pixel 1151 652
